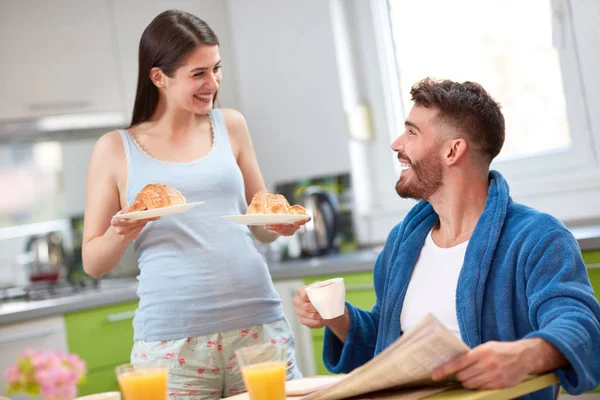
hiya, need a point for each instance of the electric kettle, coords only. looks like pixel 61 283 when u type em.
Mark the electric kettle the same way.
pixel 46 257
pixel 319 235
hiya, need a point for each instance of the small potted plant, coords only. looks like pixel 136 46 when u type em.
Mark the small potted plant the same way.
pixel 52 374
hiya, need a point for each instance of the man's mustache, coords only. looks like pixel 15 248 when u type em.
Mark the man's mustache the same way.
pixel 403 157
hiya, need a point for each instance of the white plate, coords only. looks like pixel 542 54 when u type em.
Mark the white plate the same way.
pixel 160 212
pixel 300 387
pixel 265 219
pixel 305 386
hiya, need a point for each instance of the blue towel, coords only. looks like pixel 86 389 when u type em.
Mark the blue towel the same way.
pixel 523 276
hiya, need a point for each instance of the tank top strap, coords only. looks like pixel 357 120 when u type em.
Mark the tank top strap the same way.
pixel 219 127
pixel 128 145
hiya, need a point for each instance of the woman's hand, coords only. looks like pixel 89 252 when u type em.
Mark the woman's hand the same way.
pixel 128 228
pixel 287 229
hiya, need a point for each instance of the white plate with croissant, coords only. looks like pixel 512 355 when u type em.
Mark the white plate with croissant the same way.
pixel 266 219
pixel 157 200
pixel 269 209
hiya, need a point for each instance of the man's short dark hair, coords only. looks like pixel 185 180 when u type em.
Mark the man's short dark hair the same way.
pixel 468 109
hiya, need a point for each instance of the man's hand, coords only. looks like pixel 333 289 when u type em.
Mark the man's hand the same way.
pixel 307 313
pixel 309 316
pixel 496 365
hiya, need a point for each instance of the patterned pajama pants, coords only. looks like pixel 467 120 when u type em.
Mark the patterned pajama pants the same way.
pixel 206 367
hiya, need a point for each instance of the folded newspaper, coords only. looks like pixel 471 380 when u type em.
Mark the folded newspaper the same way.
pixel 407 363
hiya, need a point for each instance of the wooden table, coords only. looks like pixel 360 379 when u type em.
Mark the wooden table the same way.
pixel 531 384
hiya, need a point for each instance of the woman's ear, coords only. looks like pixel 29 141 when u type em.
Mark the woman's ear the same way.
pixel 455 151
pixel 158 78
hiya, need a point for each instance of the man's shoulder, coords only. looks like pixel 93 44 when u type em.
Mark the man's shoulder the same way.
pixel 522 220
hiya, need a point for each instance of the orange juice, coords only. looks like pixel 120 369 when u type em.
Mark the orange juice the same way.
pixel 144 384
pixel 265 381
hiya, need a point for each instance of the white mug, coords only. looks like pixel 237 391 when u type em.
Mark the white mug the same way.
pixel 328 297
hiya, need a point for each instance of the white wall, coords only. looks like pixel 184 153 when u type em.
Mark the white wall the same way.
pixel 288 86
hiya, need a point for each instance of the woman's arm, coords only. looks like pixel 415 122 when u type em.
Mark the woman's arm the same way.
pixel 105 238
pixel 243 150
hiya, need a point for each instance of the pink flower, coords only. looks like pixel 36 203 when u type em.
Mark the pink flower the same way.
pixel 50 373
pixel 76 363
pixel 13 374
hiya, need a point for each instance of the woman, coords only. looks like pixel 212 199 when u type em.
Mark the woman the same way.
pixel 204 289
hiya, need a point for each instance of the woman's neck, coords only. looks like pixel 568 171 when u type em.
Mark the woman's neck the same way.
pixel 175 122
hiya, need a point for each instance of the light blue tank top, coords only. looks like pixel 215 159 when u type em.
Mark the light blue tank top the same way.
pixel 199 273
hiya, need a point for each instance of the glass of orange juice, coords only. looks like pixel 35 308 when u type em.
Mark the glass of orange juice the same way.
pixel 264 368
pixel 146 381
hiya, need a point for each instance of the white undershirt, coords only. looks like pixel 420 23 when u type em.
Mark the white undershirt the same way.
pixel 432 286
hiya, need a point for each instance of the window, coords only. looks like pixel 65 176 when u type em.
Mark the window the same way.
pixel 523 53
pixel 33 172
pixel 517 62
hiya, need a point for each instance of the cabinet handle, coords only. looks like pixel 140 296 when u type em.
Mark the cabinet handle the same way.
pixel 356 288
pixel 59 105
pixel 592 266
pixel 121 316
pixel 29 335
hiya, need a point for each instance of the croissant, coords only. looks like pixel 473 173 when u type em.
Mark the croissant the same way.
pixel 264 202
pixel 258 203
pixel 156 195
pixel 297 209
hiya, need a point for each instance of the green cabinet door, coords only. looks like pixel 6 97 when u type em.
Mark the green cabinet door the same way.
pixel 318 354
pixel 359 292
pixel 99 381
pixel 593 258
pixel 103 337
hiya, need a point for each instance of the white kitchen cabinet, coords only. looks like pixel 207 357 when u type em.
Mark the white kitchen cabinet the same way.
pixel 39 334
pixel 302 335
pixel 58 57
pixel 131 18
pixel 289 87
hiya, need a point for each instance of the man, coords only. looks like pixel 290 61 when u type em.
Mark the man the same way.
pixel 507 279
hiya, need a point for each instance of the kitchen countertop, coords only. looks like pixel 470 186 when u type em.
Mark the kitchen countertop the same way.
pixel 109 291
pixel 114 291
pixel 342 263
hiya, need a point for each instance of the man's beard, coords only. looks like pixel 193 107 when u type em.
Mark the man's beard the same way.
pixel 426 178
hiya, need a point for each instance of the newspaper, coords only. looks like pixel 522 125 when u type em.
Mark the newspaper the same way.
pixel 408 362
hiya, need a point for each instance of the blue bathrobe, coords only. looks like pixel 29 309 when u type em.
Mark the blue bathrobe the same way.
pixel 522 277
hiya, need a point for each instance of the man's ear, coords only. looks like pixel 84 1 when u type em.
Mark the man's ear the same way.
pixel 158 78
pixel 454 151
